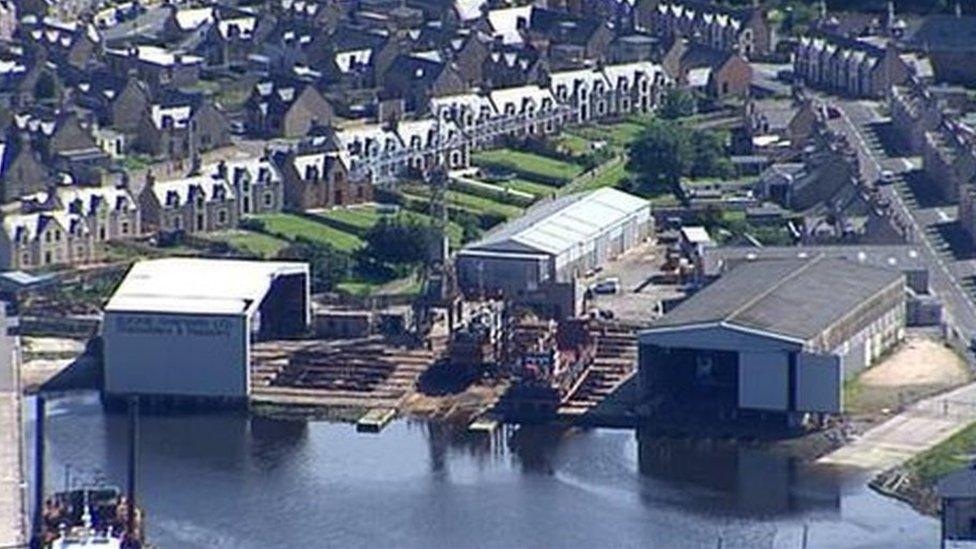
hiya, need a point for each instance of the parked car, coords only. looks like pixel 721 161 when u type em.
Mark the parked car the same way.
pixel 887 177
pixel 606 286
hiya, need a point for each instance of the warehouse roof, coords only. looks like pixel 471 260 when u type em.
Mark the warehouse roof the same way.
pixel 198 286
pixel 795 298
pixel 891 256
pixel 558 225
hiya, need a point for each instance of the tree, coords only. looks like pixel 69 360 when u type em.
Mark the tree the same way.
pixel 661 155
pixel 328 266
pixel 398 243
pixel 45 88
pixel 469 225
pixel 708 155
pixel 678 103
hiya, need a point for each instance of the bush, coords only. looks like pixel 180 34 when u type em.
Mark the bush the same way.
pixel 397 243
pixel 252 224
pixel 678 103
pixel 328 266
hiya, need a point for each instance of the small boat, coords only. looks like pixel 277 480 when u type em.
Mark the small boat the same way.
pixel 90 517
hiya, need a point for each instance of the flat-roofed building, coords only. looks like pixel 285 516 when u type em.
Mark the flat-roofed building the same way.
pixel 772 336
pixel 181 328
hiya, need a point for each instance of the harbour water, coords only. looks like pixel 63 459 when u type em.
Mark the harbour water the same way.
pixel 230 481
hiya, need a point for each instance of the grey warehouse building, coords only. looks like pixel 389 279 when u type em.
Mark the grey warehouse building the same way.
pixel 774 336
pixel 554 243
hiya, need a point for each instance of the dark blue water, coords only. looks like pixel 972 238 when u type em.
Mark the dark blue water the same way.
pixel 215 481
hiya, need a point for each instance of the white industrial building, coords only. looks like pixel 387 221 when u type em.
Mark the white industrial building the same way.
pixel 181 328
pixel 772 336
pixel 554 243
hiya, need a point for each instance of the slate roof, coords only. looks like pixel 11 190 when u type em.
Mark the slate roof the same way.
pixel 795 298
pixel 563 27
pixel 943 32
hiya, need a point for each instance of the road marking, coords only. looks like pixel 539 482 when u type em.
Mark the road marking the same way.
pixel 865 150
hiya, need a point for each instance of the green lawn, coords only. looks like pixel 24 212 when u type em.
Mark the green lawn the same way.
pixel 610 177
pixel 291 226
pixel 524 185
pixel 480 204
pixel 528 165
pixel 259 244
pixel 619 135
pixel 573 144
pixel 363 218
pixel 952 454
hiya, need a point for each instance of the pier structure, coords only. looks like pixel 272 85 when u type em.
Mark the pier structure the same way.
pixel 13 501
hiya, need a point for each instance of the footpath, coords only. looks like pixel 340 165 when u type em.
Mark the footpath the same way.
pixel 918 428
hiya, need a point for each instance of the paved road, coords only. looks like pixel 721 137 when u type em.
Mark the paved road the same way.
pixel 11 472
pixel 929 220
pixel 919 428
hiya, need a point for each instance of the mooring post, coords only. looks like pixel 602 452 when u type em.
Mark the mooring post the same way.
pixel 133 460
pixel 37 526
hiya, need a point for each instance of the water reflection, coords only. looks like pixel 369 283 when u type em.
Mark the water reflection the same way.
pixel 229 480
pixel 739 479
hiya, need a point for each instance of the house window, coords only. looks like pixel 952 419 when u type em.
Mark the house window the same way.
pixel 25 260
pixel 125 227
pixel 47 258
pixel 268 199
pixel 57 236
pixel 200 222
pixel 725 88
pixel 47 237
pixel 101 233
pixel 222 216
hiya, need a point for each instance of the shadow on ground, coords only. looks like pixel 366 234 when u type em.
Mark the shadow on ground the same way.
pixel 923 190
pixel 955 237
pixel 891 142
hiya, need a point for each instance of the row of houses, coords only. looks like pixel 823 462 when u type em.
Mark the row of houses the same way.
pixel 69 224
pixel 931 125
pixel 849 66
pixel 318 172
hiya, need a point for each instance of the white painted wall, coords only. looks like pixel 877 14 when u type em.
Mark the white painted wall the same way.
pixel 170 354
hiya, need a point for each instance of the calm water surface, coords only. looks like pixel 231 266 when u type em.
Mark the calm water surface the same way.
pixel 215 481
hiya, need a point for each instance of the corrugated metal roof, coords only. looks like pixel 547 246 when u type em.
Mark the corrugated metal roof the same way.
pixel 797 298
pixel 558 225
pixel 198 286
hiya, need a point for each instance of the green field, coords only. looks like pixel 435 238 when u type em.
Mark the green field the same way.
pixel 291 226
pixel 531 166
pixel 258 244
